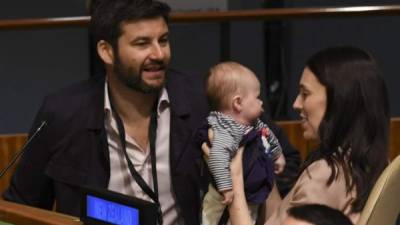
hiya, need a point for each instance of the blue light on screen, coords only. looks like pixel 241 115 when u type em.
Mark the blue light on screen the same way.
pixel 111 212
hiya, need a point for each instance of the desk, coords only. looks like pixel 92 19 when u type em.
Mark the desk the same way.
pixel 25 215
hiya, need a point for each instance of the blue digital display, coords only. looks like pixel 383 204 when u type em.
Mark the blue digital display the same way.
pixel 111 212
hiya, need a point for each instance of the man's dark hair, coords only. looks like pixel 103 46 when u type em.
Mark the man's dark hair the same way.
pixel 354 130
pixel 108 15
pixel 319 215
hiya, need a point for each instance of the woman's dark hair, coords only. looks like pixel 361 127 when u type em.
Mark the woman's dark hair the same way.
pixel 108 15
pixel 354 130
pixel 319 215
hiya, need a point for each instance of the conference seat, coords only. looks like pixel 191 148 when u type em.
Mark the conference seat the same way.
pixel 383 204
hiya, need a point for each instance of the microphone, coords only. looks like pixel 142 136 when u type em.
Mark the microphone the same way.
pixel 18 154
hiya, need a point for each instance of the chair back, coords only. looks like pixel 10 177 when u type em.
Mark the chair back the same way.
pixel 383 204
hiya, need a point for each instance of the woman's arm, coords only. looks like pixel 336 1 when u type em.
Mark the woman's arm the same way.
pixel 238 210
pixel 271 204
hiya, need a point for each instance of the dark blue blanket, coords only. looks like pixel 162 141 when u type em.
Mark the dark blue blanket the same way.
pixel 258 167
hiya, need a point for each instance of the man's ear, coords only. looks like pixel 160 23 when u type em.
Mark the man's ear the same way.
pixel 237 103
pixel 105 51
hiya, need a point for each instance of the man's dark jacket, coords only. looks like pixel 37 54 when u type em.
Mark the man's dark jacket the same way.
pixel 72 150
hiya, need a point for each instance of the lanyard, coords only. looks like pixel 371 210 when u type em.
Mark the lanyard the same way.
pixel 139 180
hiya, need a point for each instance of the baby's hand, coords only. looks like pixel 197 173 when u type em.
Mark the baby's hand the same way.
pixel 205 147
pixel 228 197
pixel 279 164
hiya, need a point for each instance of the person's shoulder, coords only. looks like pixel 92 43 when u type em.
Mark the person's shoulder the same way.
pixel 181 73
pixel 177 77
pixel 318 170
pixel 319 164
pixel 79 88
pixel 187 86
pixel 76 95
pixel 187 95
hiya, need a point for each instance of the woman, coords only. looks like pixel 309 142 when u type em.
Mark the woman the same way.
pixel 343 105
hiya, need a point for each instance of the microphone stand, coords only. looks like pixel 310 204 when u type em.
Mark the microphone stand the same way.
pixel 18 154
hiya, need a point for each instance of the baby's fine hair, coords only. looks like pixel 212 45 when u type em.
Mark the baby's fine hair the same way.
pixel 225 80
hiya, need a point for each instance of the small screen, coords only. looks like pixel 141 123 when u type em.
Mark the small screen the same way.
pixel 111 212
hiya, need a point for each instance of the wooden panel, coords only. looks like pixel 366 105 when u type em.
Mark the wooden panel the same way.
pixel 220 16
pixel 394 139
pixel 9 145
pixel 284 13
pixel 294 132
pixel 21 214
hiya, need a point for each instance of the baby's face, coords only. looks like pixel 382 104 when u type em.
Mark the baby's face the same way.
pixel 252 105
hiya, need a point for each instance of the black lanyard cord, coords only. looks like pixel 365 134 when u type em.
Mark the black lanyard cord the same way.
pixel 152 138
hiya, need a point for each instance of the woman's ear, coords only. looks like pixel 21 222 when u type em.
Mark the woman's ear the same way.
pixel 237 103
pixel 105 51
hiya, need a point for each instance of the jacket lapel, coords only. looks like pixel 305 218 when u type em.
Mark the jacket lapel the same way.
pixel 180 129
pixel 95 104
pixel 96 130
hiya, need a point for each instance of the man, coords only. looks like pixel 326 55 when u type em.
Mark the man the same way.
pixel 107 131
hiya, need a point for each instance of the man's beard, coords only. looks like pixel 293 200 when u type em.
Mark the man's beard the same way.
pixel 133 80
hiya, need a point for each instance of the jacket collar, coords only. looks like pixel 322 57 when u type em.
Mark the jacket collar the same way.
pixel 94 100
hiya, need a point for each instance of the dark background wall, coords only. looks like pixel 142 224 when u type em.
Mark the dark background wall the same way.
pixel 36 62
pixel 378 34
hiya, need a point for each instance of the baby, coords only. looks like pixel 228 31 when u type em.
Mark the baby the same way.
pixel 233 93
